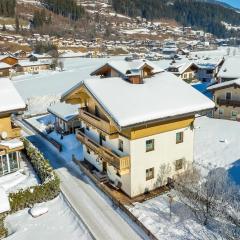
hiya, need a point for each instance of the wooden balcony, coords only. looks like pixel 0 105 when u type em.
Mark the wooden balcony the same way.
pixel 122 164
pixel 96 122
pixel 228 102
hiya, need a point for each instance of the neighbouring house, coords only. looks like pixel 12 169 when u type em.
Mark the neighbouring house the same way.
pixel 124 69
pixel 20 54
pixel 229 70
pixel 137 124
pixel 31 67
pixel 227 98
pixel 10 143
pixel 186 71
pixel 4 69
pixel 208 69
pixel 66 117
pixel 9 60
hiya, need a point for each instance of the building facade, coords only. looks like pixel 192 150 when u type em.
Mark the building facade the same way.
pixel 227 99
pixel 138 148
pixel 10 143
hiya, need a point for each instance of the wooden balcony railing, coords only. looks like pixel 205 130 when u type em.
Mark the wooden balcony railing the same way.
pixel 228 102
pixel 96 121
pixel 122 164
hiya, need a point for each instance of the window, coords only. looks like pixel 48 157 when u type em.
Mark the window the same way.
pixel 87 127
pixel 228 96
pixel 88 150
pixel 179 164
pixel 149 174
pixel 234 114
pixel 179 137
pixel 13 161
pixel 149 145
pixel 120 145
pixel 221 111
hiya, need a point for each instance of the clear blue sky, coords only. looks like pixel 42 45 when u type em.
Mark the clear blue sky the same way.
pixel 235 3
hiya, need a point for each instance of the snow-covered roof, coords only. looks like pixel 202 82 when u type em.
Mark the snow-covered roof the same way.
pixel 182 67
pixel 230 68
pixel 64 111
pixel 123 66
pixel 5 205
pixel 161 97
pixel 11 144
pixel 4 65
pixel 225 84
pixel 10 100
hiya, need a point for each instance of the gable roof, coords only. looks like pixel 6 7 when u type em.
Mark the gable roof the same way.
pixel 161 97
pixel 183 66
pixel 4 65
pixel 123 66
pixel 225 84
pixel 10 101
pixel 64 111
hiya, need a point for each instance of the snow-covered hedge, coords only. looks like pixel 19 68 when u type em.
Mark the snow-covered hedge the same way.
pixel 47 190
pixel 3 230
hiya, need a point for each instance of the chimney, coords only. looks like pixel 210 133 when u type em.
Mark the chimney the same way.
pixel 135 79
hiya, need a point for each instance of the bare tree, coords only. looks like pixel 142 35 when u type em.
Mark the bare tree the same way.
pixel 211 198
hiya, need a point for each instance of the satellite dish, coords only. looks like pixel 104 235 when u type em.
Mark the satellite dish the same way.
pixel 4 135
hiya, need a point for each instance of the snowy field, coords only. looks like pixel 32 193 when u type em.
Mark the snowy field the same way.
pixel 58 223
pixel 216 145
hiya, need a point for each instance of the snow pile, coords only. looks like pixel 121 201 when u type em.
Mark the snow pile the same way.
pixel 21 179
pixel 5 205
pixel 37 211
pixel 59 223
pixel 70 146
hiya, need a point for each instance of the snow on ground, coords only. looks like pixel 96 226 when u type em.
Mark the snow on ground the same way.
pixel 70 146
pixel 58 223
pixel 54 83
pixel 155 215
pixel 21 179
pixel 216 145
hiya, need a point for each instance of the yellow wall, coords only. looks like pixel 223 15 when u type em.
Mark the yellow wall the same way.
pixel 5 124
pixel 161 127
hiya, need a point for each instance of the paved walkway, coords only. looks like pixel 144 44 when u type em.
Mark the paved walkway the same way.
pixel 102 220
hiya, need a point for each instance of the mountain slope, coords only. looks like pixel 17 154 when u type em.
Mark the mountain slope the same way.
pixel 198 14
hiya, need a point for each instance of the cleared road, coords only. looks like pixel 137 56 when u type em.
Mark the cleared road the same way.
pixel 102 220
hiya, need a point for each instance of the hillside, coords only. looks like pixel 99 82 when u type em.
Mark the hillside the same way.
pixel 198 14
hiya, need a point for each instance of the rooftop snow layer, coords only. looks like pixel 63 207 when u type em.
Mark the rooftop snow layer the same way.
pixel 10 99
pixel 64 111
pixel 124 66
pixel 224 84
pixel 11 144
pixel 230 68
pixel 4 65
pixel 161 96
